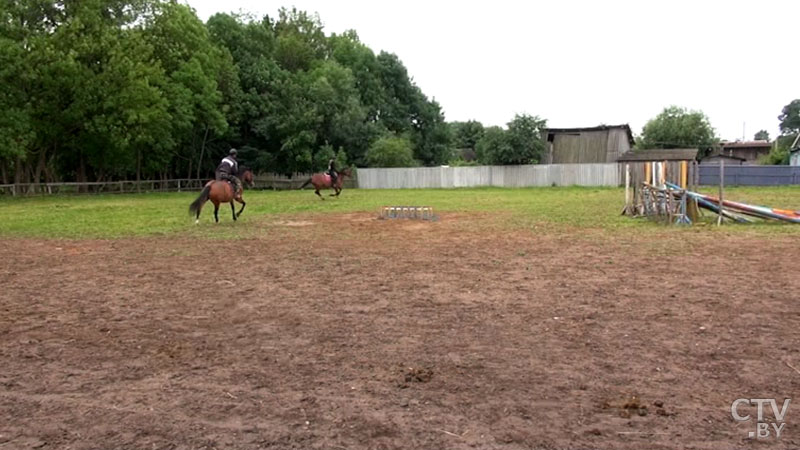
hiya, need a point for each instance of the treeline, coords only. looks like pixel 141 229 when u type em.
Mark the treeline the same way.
pixel 121 89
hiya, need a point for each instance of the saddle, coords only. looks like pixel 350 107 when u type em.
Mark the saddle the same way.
pixel 233 186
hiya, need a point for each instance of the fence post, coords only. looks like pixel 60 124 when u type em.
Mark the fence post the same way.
pixel 179 185
pixel 721 187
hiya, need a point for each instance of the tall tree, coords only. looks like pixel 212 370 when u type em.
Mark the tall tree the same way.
pixel 790 118
pixel 301 42
pixel 677 127
pixel 493 146
pixel 109 89
pixel 525 137
pixel 391 151
pixel 762 135
pixel 466 134
pixel 194 67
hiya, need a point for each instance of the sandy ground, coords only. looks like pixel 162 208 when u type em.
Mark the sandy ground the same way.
pixel 346 332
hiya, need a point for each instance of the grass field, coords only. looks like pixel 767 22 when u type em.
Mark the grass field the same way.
pixel 110 216
pixel 521 319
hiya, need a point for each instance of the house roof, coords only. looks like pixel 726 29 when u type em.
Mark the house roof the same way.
pixel 722 156
pixel 625 127
pixel 746 144
pixel 660 154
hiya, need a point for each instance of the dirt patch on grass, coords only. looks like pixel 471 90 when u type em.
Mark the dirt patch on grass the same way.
pixel 361 333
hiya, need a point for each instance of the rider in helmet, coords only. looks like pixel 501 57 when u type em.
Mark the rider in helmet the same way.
pixel 332 171
pixel 227 170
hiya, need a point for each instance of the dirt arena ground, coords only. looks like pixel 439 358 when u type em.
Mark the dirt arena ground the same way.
pixel 345 332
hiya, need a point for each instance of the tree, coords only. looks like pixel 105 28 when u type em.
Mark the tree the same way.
pixel 16 127
pixel 521 143
pixel 762 135
pixel 790 118
pixel 466 134
pixel 109 89
pixel 194 67
pixel 677 127
pixel 492 144
pixel 300 40
pixel 525 138
pixel 391 151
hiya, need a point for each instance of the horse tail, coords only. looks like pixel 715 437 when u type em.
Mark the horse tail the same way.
pixel 197 204
pixel 306 183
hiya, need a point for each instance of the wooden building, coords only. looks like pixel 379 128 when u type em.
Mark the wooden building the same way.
pixel 729 160
pixel 748 152
pixel 603 144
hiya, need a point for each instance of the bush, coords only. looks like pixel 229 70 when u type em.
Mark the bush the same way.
pixel 391 151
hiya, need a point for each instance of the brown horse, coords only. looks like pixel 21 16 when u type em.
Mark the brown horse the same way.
pixel 221 191
pixel 323 181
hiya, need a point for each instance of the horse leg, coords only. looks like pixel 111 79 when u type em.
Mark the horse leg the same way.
pixel 216 212
pixel 338 191
pixel 197 217
pixel 233 211
pixel 240 200
pixel 319 195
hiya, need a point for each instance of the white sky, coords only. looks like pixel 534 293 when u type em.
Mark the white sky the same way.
pixel 580 62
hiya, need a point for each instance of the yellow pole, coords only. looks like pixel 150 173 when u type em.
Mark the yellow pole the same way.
pixel 647 173
pixel 684 174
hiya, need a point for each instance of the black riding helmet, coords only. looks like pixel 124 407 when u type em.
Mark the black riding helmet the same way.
pixel 232 152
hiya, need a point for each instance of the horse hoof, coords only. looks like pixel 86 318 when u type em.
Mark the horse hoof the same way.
pixel 197 221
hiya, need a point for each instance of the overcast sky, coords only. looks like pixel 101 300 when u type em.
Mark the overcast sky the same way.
pixel 580 63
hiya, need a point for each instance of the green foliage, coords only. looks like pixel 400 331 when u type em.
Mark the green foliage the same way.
pixel 391 151
pixel 525 137
pixel 677 127
pixel 111 89
pixel 325 154
pixel 492 146
pixel 466 134
pixel 460 162
pixel 780 152
pixel 521 143
pixel 790 118
pixel 762 135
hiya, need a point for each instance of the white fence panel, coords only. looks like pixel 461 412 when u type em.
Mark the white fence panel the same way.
pixel 501 176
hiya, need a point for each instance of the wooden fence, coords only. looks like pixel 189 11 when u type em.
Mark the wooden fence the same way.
pixel 102 187
pixel 280 182
pixel 263 181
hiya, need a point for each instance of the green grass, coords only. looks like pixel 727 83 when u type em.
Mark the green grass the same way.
pixel 111 216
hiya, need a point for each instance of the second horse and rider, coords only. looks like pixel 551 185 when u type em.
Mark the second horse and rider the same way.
pixel 228 169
